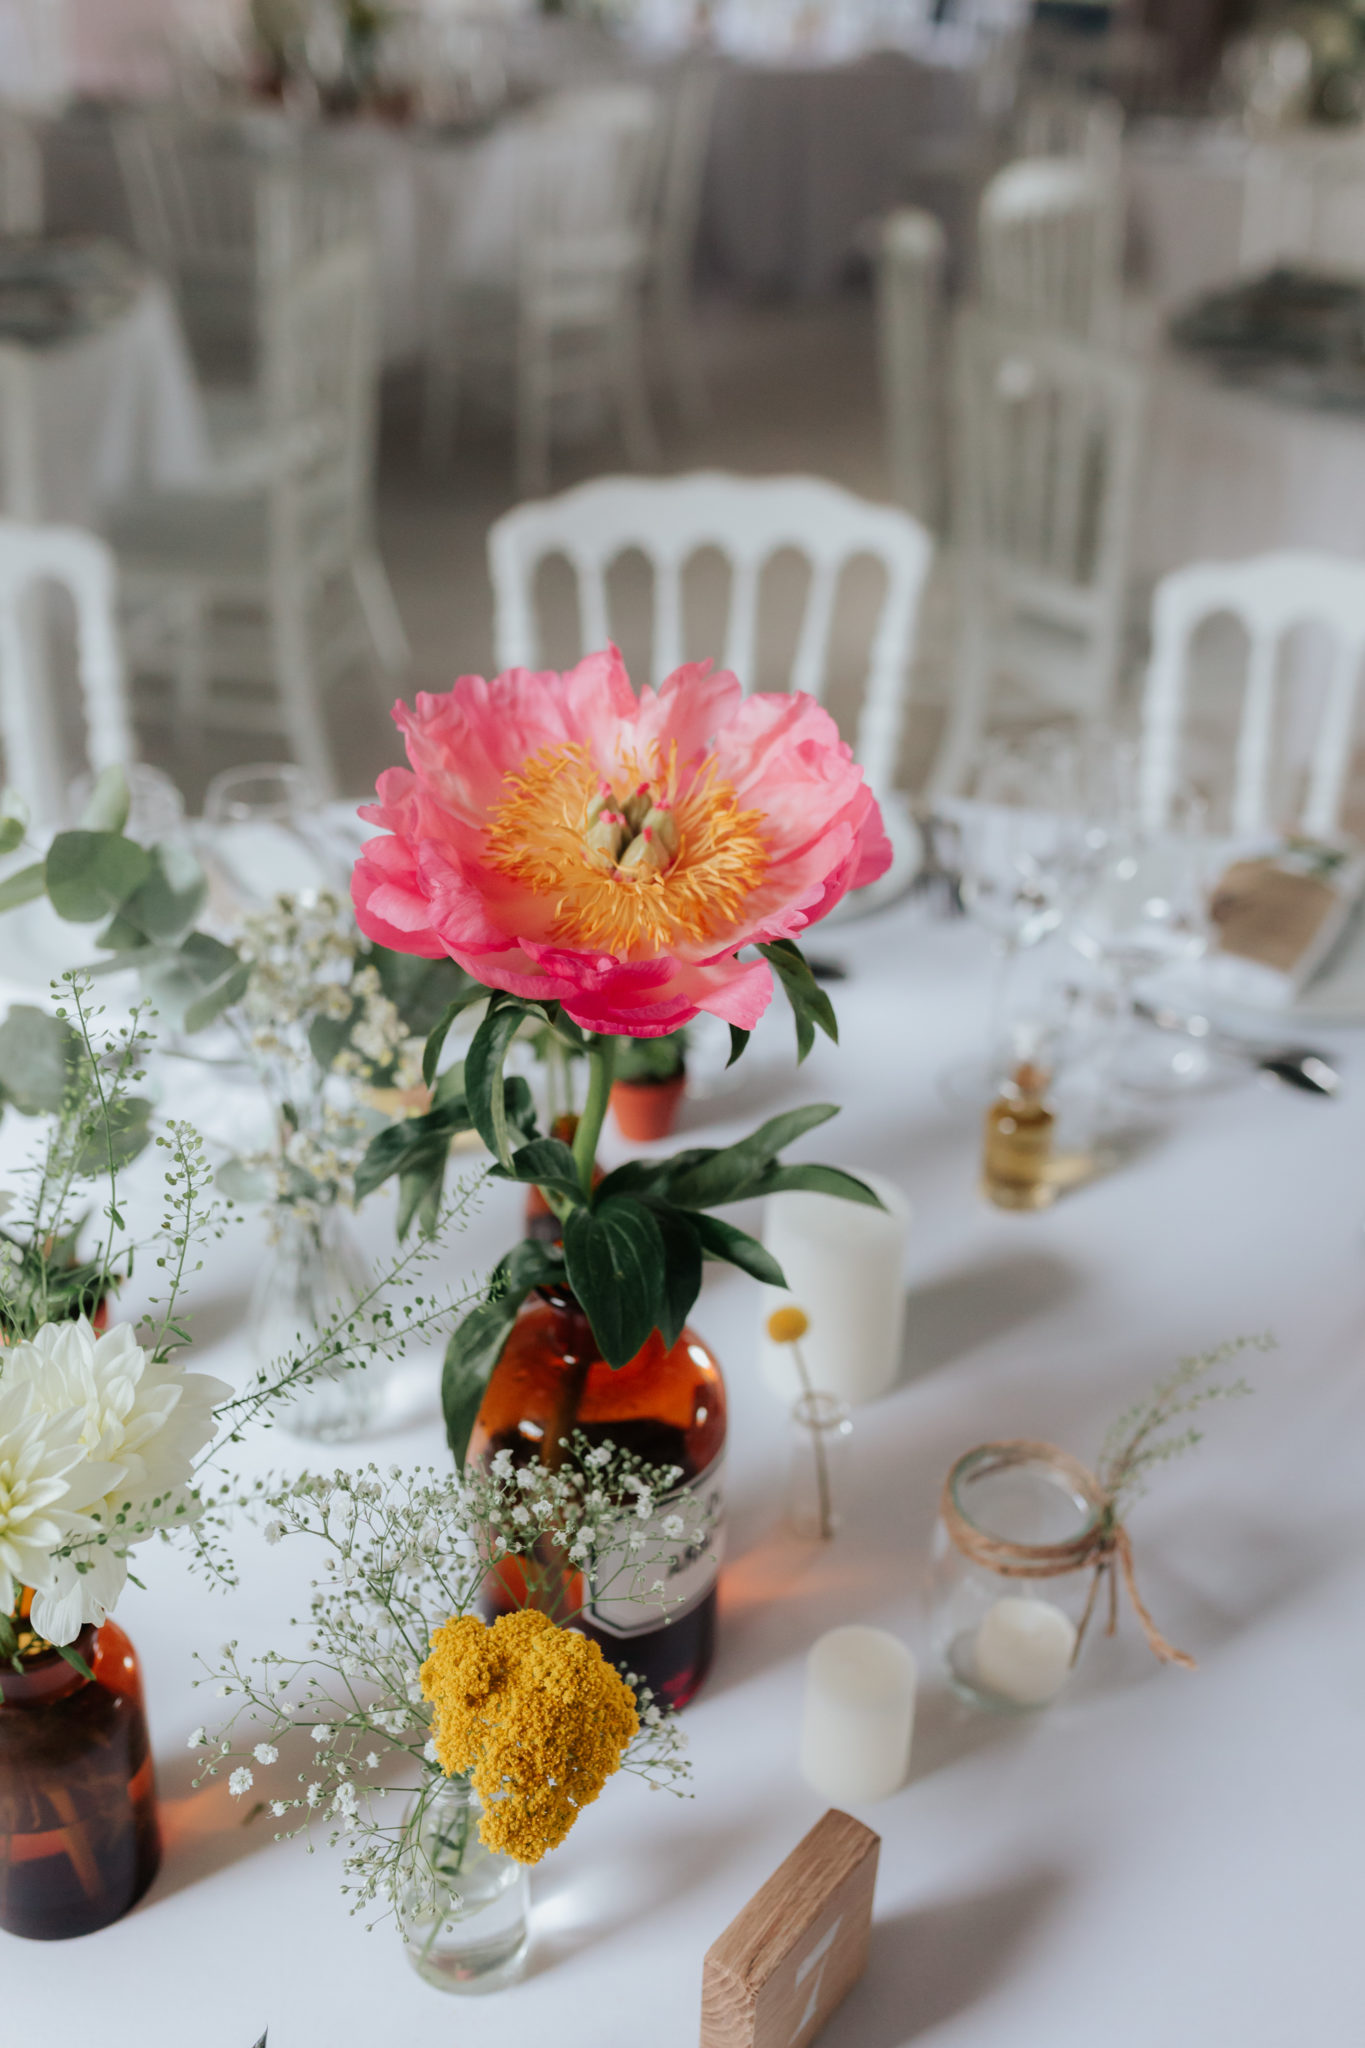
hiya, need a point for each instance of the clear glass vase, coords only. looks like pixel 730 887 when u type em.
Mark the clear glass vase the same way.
pixel 312 1269
pixel 816 1479
pixel 464 1912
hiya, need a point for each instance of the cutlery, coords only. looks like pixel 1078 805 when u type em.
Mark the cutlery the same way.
pixel 1297 1065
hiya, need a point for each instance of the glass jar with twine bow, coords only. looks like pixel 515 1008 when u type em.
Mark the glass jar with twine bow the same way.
pixel 1029 1538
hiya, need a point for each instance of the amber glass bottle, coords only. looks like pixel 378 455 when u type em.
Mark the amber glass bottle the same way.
pixel 666 1405
pixel 79 1839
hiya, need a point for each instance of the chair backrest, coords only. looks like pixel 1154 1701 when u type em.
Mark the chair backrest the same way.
pixel 1046 444
pixel 1049 246
pixel 21 174
pixel 1061 121
pixel 31 556
pixel 911 258
pixel 748 520
pixel 587 173
pixel 320 378
pixel 1270 595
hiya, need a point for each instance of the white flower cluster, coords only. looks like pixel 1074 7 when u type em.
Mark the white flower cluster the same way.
pixel 308 971
pixel 406 1551
pixel 97 1443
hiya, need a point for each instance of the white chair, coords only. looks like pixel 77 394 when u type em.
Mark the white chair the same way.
pixel 1046 437
pixel 749 520
pixel 569 316
pixel 911 254
pixel 671 254
pixel 1049 244
pixel 21 174
pixel 32 557
pixel 1269 595
pixel 294 544
pixel 1060 121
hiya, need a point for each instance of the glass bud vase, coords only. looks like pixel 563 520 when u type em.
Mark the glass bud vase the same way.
pixel 79 1838
pixel 1009 1637
pixel 312 1269
pixel 464 1910
pixel 668 1406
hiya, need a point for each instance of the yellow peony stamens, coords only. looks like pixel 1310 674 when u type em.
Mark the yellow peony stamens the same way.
pixel 535 1715
pixel 669 868
pixel 788 1325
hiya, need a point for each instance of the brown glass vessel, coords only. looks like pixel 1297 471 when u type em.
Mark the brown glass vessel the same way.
pixel 668 1406
pixel 79 1837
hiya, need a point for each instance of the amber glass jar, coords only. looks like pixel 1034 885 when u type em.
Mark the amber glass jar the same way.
pixel 79 1840
pixel 666 1405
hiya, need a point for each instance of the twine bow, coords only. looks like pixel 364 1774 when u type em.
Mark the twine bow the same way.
pixel 1103 1547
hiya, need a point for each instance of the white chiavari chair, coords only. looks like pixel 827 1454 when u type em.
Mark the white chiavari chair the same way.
pixel 1046 440
pixel 748 521
pixel 1049 237
pixel 1269 596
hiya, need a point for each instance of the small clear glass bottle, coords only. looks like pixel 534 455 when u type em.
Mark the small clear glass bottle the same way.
pixel 311 1271
pixel 464 1914
pixel 1016 1166
pixel 821 1426
pixel 1009 1641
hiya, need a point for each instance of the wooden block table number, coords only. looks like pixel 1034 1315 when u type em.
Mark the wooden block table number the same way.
pixel 779 1970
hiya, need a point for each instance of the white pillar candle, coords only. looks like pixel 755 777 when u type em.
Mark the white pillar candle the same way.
pixel 859 1715
pixel 1024 1649
pixel 845 1263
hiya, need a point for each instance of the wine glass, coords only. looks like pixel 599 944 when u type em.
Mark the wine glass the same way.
pixel 263 833
pixel 1020 840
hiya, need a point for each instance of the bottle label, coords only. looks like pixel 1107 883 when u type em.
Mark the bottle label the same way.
pixel 689 1569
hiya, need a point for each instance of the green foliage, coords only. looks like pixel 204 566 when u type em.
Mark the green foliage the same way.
pixel 652 1059
pixel 1143 1438
pixel 38 1059
pixel 476 1343
pixel 810 1005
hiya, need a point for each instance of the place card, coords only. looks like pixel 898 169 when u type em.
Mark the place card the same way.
pixel 779 1970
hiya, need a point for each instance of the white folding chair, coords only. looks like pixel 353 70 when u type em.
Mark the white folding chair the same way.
pixel 32 557
pixel 1049 240
pixel 748 520
pixel 1062 121
pixel 1046 442
pixel 1269 596
pixel 294 544
pixel 911 257
pixel 570 314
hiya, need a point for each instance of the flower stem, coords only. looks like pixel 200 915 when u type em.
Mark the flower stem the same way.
pixel 601 1062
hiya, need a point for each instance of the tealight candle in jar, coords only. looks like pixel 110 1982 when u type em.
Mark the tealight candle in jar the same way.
pixel 1011 1576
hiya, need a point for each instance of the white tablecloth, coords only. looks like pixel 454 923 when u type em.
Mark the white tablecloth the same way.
pixel 1159 1858
pixel 115 409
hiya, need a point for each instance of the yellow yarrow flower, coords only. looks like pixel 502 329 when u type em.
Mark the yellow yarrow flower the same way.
pixel 535 1715
pixel 788 1325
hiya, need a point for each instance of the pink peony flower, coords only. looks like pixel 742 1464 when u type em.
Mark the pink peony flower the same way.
pixel 566 840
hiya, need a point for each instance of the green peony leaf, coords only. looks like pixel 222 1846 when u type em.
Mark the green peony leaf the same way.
pixel 725 1241
pixel 726 1175
pixel 483 1079
pixel 615 1259
pixel 738 1040
pixel 546 1163
pixel 682 1270
pixel 90 874
pixel 815 1180
pixel 477 1343
pixel 440 1031
pixel 810 1005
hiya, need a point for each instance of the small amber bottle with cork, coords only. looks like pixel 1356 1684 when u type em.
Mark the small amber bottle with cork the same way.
pixel 1017 1162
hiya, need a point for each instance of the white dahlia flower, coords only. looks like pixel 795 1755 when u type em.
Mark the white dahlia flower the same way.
pixel 140 1425
pixel 46 1479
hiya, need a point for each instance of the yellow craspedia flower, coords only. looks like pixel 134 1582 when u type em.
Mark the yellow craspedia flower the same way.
pixel 537 1717
pixel 788 1325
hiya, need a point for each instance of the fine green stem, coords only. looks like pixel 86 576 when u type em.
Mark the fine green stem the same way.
pixel 601 1061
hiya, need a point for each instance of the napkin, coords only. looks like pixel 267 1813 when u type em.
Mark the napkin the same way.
pixel 1277 912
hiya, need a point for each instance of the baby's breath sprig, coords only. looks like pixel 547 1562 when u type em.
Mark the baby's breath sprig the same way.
pixel 405 1552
